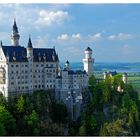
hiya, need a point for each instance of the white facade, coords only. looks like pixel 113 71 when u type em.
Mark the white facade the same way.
pixel 88 61
pixel 26 77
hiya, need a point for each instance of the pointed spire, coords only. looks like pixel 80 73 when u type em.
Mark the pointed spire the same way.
pixel 88 49
pixel 15 36
pixel 15 28
pixel 29 43
pixel 67 64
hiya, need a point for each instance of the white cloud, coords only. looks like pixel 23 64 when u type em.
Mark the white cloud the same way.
pixel 32 15
pixel 95 37
pixel 63 37
pixel 51 17
pixel 76 36
pixel 66 37
pixel 120 36
pixel 112 37
pixel 31 19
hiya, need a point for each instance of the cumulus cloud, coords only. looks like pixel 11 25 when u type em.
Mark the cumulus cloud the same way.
pixel 66 37
pixel 79 38
pixel 95 37
pixel 31 18
pixel 120 36
pixel 52 17
pixel 33 15
pixel 63 37
pixel 76 36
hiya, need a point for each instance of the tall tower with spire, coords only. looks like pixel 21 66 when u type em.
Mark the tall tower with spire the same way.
pixel 88 61
pixel 15 35
pixel 29 50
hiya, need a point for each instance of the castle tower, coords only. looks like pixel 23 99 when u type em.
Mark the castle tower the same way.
pixel 15 35
pixel 124 78
pixel 30 63
pixel 105 74
pixel 29 50
pixel 67 65
pixel 88 61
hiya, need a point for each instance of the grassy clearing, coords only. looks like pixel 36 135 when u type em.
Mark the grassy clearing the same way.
pixel 134 79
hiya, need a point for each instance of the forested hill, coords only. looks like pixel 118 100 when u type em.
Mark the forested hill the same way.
pixel 34 115
pixel 107 113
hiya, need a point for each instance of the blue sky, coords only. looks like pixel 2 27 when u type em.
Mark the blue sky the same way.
pixel 111 30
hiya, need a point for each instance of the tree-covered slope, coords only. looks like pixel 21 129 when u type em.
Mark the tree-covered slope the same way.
pixel 109 112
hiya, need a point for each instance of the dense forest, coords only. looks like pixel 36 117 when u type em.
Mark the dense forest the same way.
pixel 107 112
pixel 35 115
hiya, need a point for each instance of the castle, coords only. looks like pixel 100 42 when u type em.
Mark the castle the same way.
pixel 124 78
pixel 27 69
pixel 111 74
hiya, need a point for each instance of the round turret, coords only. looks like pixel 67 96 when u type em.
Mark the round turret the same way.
pixel 88 53
pixel 67 64
pixel 88 61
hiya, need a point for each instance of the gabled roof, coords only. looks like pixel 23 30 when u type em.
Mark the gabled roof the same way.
pixel 41 53
pixel 76 72
pixel 19 54
pixel 113 73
